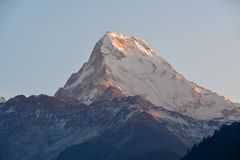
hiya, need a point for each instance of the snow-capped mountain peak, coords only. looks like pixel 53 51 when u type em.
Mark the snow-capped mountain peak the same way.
pixel 123 65
pixel 123 44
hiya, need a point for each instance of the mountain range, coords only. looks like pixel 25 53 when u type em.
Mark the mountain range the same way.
pixel 126 102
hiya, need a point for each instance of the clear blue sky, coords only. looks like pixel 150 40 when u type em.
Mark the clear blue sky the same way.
pixel 43 41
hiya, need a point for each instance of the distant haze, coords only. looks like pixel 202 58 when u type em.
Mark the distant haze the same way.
pixel 43 42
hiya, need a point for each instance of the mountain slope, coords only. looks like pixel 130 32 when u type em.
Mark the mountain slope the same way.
pixel 2 100
pixel 128 142
pixel 224 144
pixel 122 66
pixel 40 127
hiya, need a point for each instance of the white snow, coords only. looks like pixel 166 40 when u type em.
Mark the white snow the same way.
pixel 2 100
pixel 11 109
pixel 137 70
pixel 86 72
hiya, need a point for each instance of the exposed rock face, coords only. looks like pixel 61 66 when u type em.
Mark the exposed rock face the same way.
pixel 126 66
pixel 93 84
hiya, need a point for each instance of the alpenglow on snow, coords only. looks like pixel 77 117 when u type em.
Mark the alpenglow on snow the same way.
pixel 123 65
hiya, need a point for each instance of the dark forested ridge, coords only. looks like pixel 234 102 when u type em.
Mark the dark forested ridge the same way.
pixel 223 145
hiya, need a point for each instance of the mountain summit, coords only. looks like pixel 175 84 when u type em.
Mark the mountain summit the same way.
pixel 121 66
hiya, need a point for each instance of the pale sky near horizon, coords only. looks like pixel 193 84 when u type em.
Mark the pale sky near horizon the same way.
pixel 43 42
